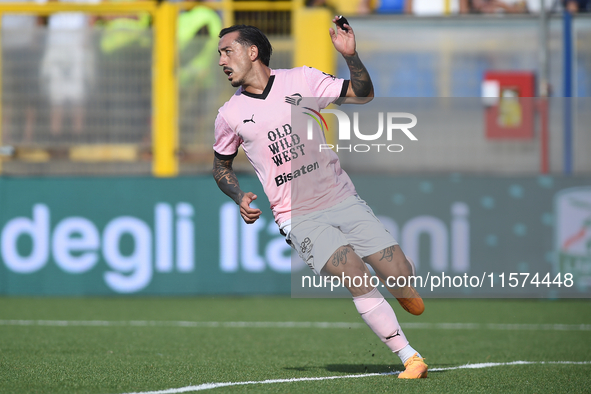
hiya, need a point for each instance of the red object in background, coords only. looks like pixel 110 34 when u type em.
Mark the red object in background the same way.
pixel 512 114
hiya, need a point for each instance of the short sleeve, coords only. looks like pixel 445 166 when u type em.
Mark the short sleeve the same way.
pixel 325 87
pixel 226 141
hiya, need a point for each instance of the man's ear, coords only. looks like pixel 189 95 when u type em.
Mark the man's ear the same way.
pixel 253 52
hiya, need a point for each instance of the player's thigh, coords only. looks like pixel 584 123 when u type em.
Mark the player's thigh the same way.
pixel 315 241
pixel 372 241
pixel 362 228
pixel 326 251
pixel 389 262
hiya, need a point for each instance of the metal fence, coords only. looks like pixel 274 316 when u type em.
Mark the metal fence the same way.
pixel 74 106
pixel 70 107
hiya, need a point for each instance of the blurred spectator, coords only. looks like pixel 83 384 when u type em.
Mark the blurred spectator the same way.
pixel 493 6
pixel 20 57
pixel 574 6
pixel 513 6
pixel 390 6
pixel 364 7
pixel 198 67
pixel 534 6
pixel 431 7
pixel 68 68
pixel 120 31
pixel 346 7
pixel 504 6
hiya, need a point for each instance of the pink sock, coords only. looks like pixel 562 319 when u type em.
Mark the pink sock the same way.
pixel 380 317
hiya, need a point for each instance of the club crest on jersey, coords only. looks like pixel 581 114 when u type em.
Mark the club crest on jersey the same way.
pixel 294 99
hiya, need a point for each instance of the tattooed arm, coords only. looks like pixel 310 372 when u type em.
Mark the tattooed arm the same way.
pixel 360 85
pixel 344 43
pixel 225 177
pixel 227 181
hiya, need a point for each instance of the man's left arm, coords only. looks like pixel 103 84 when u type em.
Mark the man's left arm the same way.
pixel 344 43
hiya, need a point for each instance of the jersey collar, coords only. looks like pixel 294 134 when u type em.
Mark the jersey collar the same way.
pixel 265 93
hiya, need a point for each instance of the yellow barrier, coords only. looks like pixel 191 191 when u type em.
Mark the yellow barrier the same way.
pixel 309 30
pixel 165 93
pixel 313 44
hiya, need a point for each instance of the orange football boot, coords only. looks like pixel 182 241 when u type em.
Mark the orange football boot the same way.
pixel 415 368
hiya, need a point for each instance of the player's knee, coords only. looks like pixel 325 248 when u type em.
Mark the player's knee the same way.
pixel 402 266
pixel 390 261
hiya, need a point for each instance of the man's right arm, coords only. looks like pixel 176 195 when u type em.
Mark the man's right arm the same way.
pixel 226 178
pixel 227 181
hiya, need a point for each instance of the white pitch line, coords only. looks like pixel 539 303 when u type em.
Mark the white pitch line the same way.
pixel 291 324
pixel 491 326
pixel 208 386
pixel 190 324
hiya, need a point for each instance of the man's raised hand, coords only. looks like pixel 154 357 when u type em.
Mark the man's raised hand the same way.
pixel 343 41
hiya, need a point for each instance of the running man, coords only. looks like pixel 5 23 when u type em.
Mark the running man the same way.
pixel 332 229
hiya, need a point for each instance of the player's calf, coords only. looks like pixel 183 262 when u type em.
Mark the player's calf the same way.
pixel 396 271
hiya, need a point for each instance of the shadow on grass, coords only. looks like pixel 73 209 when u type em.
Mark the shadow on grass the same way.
pixel 363 368
pixel 348 368
pixel 357 368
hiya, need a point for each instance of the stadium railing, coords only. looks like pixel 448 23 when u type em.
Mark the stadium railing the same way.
pixel 150 100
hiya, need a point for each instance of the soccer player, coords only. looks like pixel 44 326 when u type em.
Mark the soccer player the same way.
pixel 322 217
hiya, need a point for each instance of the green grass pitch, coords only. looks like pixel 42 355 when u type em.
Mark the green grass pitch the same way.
pixel 43 350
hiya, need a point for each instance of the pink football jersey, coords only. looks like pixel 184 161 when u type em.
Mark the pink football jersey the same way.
pixel 297 176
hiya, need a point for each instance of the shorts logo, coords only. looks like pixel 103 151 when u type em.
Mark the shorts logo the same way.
pixel 306 245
